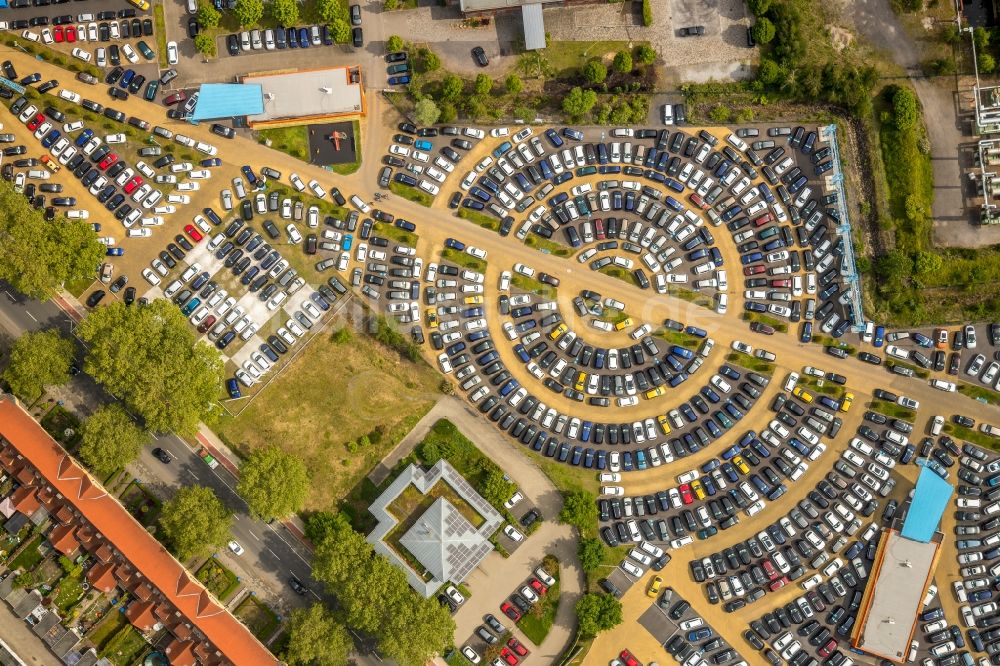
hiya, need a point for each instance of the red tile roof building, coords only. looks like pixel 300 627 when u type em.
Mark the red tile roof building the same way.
pixel 205 633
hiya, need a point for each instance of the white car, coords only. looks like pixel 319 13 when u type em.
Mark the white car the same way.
pixel 82 55
pixel 129 52
pixel 742 347
pixel 151 277
pixel 293 234
pixel 514 499
pixel 235 547
pixel 513 534
pixel 297 182
pixel 498 132
pixel 172 57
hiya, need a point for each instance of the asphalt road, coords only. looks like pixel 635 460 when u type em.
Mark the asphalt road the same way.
pixel 271 553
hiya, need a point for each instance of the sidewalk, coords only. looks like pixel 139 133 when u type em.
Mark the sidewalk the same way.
pixel 22 641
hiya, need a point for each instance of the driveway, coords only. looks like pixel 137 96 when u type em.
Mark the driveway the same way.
pixel 497 577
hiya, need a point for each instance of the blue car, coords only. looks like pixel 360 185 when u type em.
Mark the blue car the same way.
pixel 553 138
pixel 249 174
pixel 454 244
pixel 303 38
pixel 126 78
pixel 51 138
pixel 211 162
pixel 879 336
pixel 84 137
pixel 233 387
pixel 399 80
pixel 114 252
pixel 423 144
pixel 347 242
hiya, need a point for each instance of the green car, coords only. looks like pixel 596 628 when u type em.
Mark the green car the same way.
pixel 145 50
pixel 586 171
pixel 151 88
pixel 398 68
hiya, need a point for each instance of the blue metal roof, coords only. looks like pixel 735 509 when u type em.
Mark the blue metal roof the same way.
pixel 225 100
pixel 930 499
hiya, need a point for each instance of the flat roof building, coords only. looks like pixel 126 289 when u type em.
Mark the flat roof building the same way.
pixel 901 573
pixel 307 96
pixel 227 100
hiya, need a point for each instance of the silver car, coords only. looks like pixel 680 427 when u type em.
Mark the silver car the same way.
pixel 244 41
pixel 269 39
pixel 255 40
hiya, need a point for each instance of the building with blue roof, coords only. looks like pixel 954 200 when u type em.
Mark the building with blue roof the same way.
pixel 930 499
pixel 228 100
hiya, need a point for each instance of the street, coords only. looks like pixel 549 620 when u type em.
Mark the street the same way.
pixel 272 553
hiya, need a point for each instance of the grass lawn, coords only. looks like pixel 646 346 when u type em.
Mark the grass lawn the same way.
pixel 28 558
pixel 259 619
pixel 291 140
pixel 351 167
pixel 751 363
pixel 109 626
pixel 678 338
pixel 57 421
pixel 411 193
pixel 690 296
pixel 161 35
pixel 537 623
pixel 546 246
pixel 125 647
pixel 567 57
pixel 777 324
pixel 464 260
pixel 79 286
pixel 219 580
pixel 979 393
pixel 70 592
pixel 893 410
pixel 481 219
pixel 534 286
pixel 620 273
pixel 341 391
pixel 393 232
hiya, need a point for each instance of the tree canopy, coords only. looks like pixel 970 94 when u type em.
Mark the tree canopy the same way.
pixel 597 613
pixel 331 10
pixel 905 109
pixel 451 87
pixel 110 439
pixel 426 112
pixel 148 357
pixel 484 84
pixel 37 256
pixel 204 43
pixel 38 359
pixel 249 12
pixel 285 12
pixel 316 638
pixel 591 553
pixel 208 15
pixel 275 484
pixel 513 84
pixel 645 55
pixel 194 522
pixel 578 102
pixel 340 30
pixel 377 599
pixel 394 43
pixel 580 510
pixel 595 72
pixel 763 31
pixel 623 61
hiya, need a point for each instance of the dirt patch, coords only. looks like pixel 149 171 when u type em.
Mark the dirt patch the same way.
pixel 840 38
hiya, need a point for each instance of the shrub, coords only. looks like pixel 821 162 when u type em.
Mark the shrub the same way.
pixel 647 13
pixel 595 72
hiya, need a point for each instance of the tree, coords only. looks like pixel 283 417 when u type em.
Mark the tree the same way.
pixel 340 30
pixel 275 484
pixel 448 115
pixel 905 110
pixel 389 5
pixel 894 266
pixel 431 60
pixel 205 44
pixel 331 10
pixel 928 263
pixel 484 84
pixel 495 488
pixel 208 15
pixel 321 525
pixel 595 72
pixel 194 522
pixel 768 72
pixel 394 43
pixel 339 552
pixel 591 553
pixel 285 12
pixel 110 439
pixel 981 39
pixel 645 55
pixel 249 12
pixel 37 256
pixel 623 62
pixel 38 359
pixel 987 64
pixel 150 359
pixel 762 31
pixel 426 112
pixel 578 102
pixel 316 638
pixel 647 13
pixel 759 7
pixel 579 510
pixel 451 87
pixel 597 613
pixel 513 84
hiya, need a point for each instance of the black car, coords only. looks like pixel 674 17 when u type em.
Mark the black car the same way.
pixel 222 130
pixel 398 56
pixel 233 44
pixel 297 585
pixel 355 14
pixel 193 27
pixel 479 55
pixel 95 298
pixel 357 38
pixel 162 455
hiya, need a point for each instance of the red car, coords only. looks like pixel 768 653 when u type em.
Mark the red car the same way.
pixel 70 34
pixel 193 233
pixel 537 586
pixel 778 584
pixel 828 648
pixel 509 657
pixel 108 160
pixel 36 121
pixel 754 270
pixel 686 496
pixel 509 610
pixel 175 98
pixel 57 33
pixel 133 184
pixel 628 659
pixel 516 646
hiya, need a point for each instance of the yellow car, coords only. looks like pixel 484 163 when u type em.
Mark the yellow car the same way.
pixel 581 380
pixel 474 300
pixel 655 392
pixel 623 324
pixel 654 587
pixel 845 404
pixel 432 318
pixel 802 394
pixel 698 489
pixel 141 4
pixel 741 464
pixel 664 423
pixel 557 331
